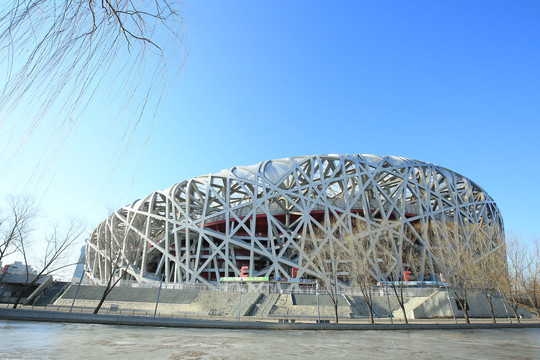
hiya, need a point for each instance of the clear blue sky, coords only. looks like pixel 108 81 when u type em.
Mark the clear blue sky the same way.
pixel 452 83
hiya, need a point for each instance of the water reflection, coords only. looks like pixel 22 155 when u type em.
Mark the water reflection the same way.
pixel 25 340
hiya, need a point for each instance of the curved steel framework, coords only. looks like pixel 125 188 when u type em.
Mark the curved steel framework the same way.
pixel 260 216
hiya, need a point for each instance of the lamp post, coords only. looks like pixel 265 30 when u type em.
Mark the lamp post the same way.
pixel 451 306
pixel 159 292
pixel 388 299
pixel 318 310
pixel 240 302
pixel 77 292
pixel 505 309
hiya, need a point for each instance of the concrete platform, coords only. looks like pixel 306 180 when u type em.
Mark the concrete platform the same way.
pixel 51 316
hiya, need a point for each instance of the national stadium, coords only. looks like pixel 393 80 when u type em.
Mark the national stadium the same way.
pixel 256 220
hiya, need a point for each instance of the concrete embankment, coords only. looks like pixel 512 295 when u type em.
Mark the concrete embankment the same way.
pixel 273 306
pixel 50 316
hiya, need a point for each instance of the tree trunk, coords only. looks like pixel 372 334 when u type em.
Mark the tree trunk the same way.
pixel 336 311
pixel 26 286
pixel 514 310
pixel 20 296
pixel 110 286
pixel 465 311
pixel 401 301
pixel 462 300
pixel 105 293
pixel 489 299
pixel 108 289
pixel 402 306
pixel 370 308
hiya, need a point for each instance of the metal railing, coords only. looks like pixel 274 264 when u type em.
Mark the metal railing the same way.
pixel 274 288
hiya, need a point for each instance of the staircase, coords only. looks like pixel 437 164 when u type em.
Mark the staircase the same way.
pixel 51 294
pixel 248 303
pixel 264 305
pixel 410 306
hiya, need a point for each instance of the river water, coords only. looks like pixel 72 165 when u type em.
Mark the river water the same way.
pixel 28 340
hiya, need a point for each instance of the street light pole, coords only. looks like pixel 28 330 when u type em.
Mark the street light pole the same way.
pixel 240 302
pixel 505 309
pixel 389 308
pixel 76 292
pixel 159 292
pixel 451 306
pixel 318 310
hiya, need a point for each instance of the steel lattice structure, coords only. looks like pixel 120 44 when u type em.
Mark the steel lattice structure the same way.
pixel 260 216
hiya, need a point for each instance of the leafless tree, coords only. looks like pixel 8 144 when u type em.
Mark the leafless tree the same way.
pixel 454 260
pixel 391 250
pixel 117 272
pixel 524 270
pixel 459 251
pixel 64 56
pixel 58 245
pixel 326 256
pixel 518 284
pixel 533 270
pixel 15 224
pixel 118 250
pixel 489 267
pixel 358 262
pixel 508 282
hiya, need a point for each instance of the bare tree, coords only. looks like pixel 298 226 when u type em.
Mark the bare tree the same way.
pixel 391 252
pixel 521 281
pixel 396 277
pixel 16 239
pixel 471 258
pixel 358 262
pixel 15 224
pixel 118 249
pixel 58 245
pixel 64 56
pixel 524 261
pixel 489 267
pixel 116 272
pixel 455 259
pixel 533 269
pixel 508 282
pixel 326 256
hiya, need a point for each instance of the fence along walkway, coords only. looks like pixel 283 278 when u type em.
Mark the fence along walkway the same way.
pixel 271 288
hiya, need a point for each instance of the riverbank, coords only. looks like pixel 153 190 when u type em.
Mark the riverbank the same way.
pixel 64 317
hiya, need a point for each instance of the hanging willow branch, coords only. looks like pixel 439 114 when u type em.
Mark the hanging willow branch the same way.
pixel 61 56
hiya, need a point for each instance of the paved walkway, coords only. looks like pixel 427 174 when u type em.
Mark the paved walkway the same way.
pixel 58 316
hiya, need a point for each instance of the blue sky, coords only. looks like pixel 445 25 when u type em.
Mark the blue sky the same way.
pixel 452 83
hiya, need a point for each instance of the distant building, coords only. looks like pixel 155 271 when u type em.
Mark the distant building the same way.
pixel 79 269
pixel 14 279
pixel 259 217
pixel 18 268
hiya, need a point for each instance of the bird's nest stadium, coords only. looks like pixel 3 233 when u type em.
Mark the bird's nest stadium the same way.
pixel 260 217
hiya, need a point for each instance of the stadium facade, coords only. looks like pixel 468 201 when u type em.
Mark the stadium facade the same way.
pixel 259 218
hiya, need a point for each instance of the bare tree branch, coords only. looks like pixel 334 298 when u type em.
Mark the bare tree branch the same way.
pixel 59 243
pixel 15 224
pixel 358 262
pixel 64 56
